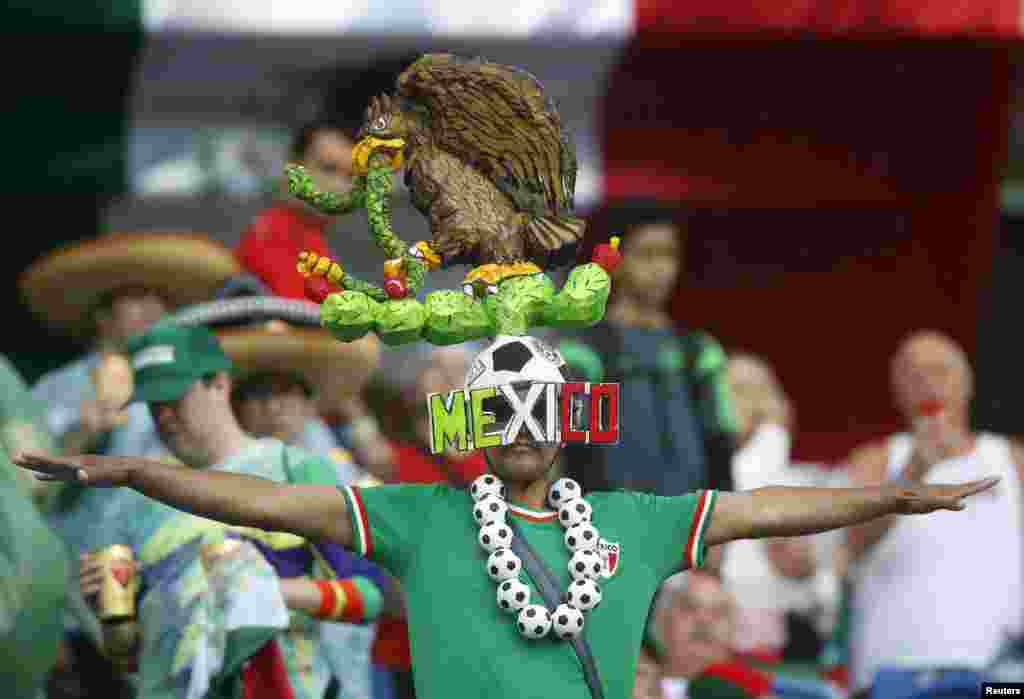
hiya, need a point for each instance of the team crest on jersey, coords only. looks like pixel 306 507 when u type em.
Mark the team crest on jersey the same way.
pixel 611 554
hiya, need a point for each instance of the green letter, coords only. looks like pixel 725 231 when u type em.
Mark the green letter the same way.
pixel 448 421
pixel 481 419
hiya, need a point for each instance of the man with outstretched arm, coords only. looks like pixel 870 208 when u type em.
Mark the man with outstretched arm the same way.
pixel 428 536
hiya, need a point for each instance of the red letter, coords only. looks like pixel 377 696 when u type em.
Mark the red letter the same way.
pixel 569 432
pixel 610 432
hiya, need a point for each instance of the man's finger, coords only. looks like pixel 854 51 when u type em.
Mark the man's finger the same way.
pixel 975 487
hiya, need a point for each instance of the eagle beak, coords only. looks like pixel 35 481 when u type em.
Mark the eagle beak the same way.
pixel 393 149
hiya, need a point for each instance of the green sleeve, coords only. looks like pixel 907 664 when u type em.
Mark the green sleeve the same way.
pixel 711 364
pixel 388 521
pixel 672 528
pixel 582 358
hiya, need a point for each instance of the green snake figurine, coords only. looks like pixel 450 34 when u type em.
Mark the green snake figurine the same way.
pixel 495 300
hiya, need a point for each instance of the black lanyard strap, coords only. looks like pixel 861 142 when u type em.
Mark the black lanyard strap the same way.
pixel 547 585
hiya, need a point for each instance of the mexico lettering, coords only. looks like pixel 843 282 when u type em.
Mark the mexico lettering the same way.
pixel 550 412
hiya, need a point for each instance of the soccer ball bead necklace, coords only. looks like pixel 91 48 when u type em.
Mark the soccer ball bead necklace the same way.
pixel 534 621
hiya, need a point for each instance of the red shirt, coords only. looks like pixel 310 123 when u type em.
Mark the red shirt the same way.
pixel 737 673
pixel 270 247
pixel 417 465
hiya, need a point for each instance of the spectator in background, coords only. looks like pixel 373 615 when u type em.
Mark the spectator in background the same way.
pixel 107 290
pixel 182 374
pixel 914 605
pixel 694 624
pixel 270 247
pixel 785 589
pixel 681 431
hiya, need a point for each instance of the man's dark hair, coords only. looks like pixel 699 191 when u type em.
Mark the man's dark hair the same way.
pixel 623 216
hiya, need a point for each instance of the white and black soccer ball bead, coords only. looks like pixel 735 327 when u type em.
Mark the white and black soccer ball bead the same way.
pixel 583 594
pixel 581 536
pixel 562 491
pixel 503 565
pixel 513 595
pixel 496 535
pixel 575 512
pixel 566 622
pixel 534 621
pixel 489 509
pixel 586 564
pixel 485 485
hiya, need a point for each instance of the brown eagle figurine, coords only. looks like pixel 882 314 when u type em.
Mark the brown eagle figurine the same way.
pixel 487 161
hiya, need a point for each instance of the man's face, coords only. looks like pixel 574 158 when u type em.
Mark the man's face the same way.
pixel 329 159
pixel 184 425
pixel 131 313
pixel 931 368
pixel 699 626
pixel 650 264
pixel 522 461
pixel 278 407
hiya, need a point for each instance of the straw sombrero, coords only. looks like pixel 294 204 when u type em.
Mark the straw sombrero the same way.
pixel 335 370
pixel 270 333
pixel 63 287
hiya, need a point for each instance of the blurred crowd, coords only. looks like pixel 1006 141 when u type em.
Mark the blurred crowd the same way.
pixel 889 609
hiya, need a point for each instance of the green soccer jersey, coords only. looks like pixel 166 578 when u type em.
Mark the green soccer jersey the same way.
pixel 463 645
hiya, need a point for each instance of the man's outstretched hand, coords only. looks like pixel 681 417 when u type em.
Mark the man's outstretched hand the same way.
pixel 921 498
pixel 783 511
pixel 96 471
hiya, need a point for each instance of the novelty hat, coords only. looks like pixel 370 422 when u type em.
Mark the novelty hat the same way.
pixel 64 287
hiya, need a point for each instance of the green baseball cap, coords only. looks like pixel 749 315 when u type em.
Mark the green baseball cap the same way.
pixel 168 359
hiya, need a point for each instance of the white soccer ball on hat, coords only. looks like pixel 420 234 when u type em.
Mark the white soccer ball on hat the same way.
pixel 566 621
pixel 513 595
pixel 485 485
pixel 583 594
pixel 534 621
pixel 562 491
pixel 503 564
pixel 581 536
pixel 490 509
pixel 496 535
pixel 513 359
pixel 585 564
pixel 575 512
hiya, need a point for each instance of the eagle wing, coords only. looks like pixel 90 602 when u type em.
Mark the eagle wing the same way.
pixel 498 119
